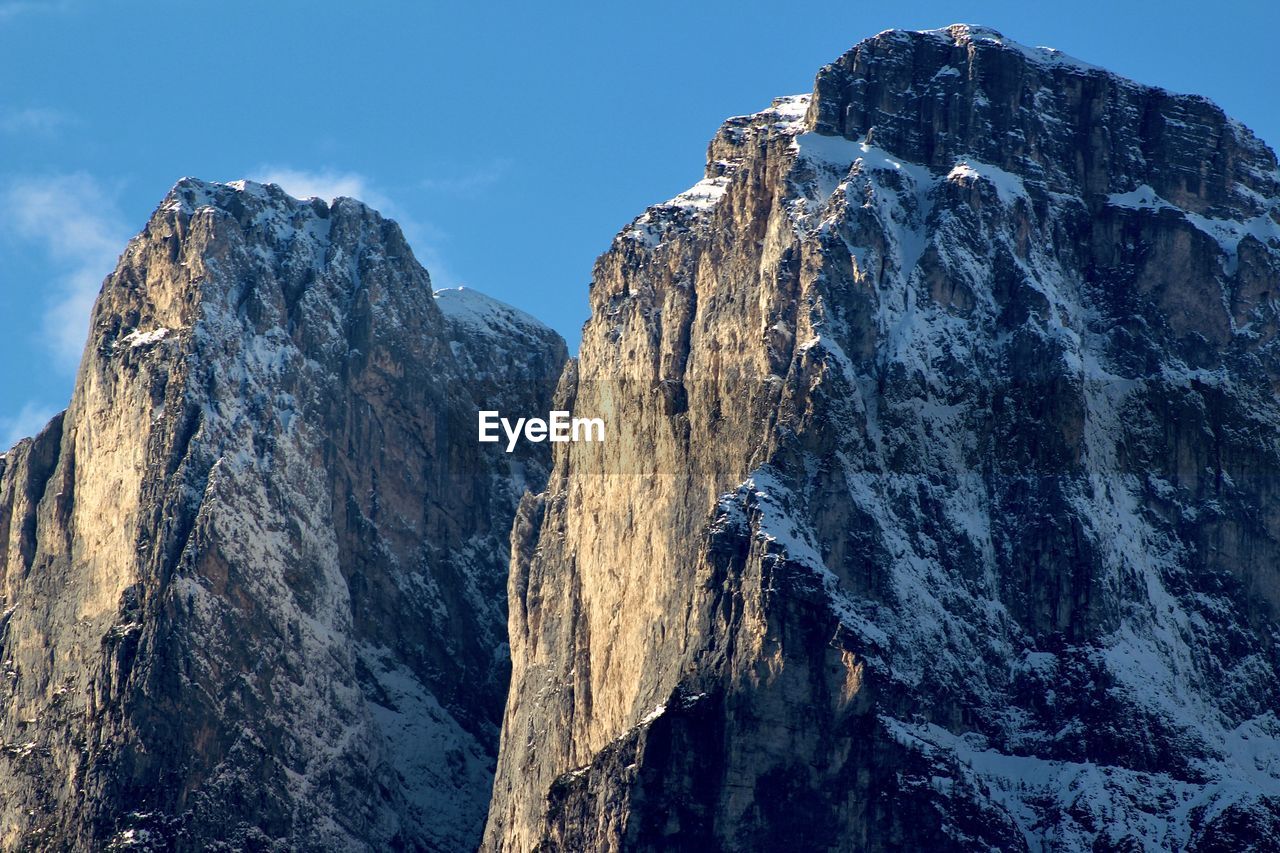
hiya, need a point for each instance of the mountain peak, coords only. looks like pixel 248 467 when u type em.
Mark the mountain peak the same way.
pixel 473 308
pixel 269 464
pixel 193 193
pixel 190 194
pixel 972 34
pixel 935 97
pixel 928 373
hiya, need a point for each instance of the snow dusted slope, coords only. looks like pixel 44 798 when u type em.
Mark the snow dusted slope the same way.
pixel 960 525
pixel 252 579
pixel 498 342
pixel 471 308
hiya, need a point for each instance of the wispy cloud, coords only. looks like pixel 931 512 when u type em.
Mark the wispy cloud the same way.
pixel 468 181
pixel 78 225
pixel 325 183
pixel 38 121
pixel 28 421
pixel 328 184
pixel 14 8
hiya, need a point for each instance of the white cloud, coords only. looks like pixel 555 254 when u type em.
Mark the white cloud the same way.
pixel 424 238
pixel 325 184
pixel 78 225
pixel 29 420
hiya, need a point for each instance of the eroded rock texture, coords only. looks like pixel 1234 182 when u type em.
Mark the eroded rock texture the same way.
pixel 939 508
pixel 252 579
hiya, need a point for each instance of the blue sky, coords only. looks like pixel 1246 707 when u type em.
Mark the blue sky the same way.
pixel 511 140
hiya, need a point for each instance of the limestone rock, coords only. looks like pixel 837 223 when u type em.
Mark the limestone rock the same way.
pixel 251 580
pixel 940 504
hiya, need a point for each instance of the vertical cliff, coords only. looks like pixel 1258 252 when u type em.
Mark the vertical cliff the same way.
pixel 251 580
pixel 940 507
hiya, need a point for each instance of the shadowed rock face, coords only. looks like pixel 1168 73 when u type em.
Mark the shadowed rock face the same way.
pixel 252 578
pixel 940 506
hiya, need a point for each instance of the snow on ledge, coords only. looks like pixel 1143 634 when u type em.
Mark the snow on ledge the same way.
pixel 138 338
pixel 1009 187
pixel 701 196
pixel 1227 233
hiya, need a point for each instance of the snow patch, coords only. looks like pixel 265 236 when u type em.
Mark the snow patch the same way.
pixel 1009 187
pixel 138 338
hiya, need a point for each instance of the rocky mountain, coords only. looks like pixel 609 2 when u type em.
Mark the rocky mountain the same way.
pixel 251 581
pixel 940 505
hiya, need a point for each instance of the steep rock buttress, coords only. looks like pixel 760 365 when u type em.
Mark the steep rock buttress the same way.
pixel 252 579
pixel 940 505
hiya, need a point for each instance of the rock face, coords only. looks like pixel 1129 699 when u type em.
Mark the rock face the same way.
pixel 252 579
pixel 940 503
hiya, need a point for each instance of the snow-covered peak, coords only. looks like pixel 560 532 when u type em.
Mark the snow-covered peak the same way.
pixel 498 343
pixel 792 107
pixel 960 31
pixel 271 219
pixel 191 194
pixel 475 310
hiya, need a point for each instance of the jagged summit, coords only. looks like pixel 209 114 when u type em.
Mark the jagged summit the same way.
pixel 194 193
pixel 936 95
pixel 965 102
pixel 966 34
pixel 269 212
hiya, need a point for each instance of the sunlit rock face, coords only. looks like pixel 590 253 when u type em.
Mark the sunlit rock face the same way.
pixel 940 508
pixel 252 581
